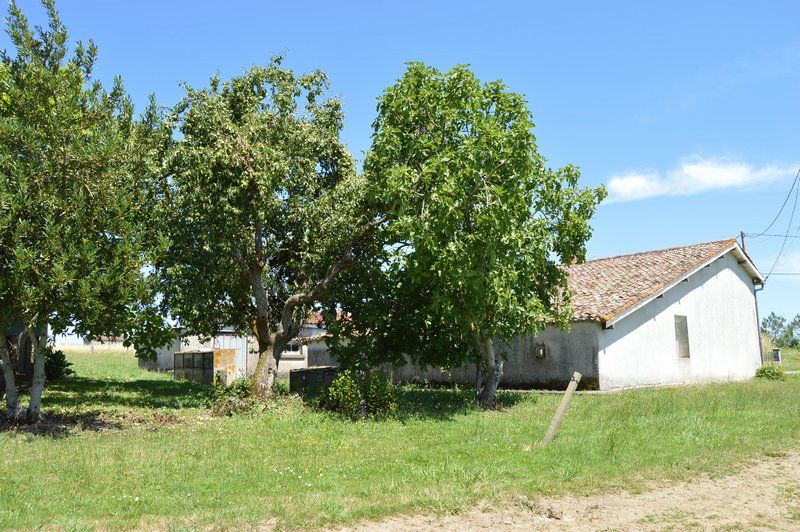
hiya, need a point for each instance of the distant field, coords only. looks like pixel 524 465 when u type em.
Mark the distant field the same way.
pixel 791 359
pixel 127 448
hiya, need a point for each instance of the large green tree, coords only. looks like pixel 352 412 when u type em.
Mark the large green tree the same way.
pixel 71 206
pixel 479 229
pixel 262 206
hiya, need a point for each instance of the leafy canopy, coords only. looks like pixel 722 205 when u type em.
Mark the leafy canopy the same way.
pixel 261 197
pixel 70 208
pixel 479 224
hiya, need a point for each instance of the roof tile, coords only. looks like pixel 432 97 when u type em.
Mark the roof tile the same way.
pixel 604 288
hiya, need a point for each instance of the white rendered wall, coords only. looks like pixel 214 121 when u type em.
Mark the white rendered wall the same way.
pixel 566 352
pixel 719 304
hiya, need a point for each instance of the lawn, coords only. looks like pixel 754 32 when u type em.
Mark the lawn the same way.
pixel 790 358
pixel 137 449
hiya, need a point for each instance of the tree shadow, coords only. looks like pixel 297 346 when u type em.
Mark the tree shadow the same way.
pixel 61 425
pixel 57 424
pixel 87 393
pixel 445 403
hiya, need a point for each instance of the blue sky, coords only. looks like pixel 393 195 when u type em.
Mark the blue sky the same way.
pixel 687 110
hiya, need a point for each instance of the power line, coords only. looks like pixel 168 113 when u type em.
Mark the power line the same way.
pixel 773 235
pixel 785 201
pixel 788 227
pixel 785 273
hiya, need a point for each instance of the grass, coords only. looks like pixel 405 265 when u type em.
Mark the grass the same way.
pixel 166 463
pixel 790 358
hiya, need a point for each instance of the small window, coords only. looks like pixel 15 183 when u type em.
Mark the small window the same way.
pixel 539 350
pixel 293 348
pixel 682 336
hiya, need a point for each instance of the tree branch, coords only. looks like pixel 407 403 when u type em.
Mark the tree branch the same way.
pixel 322 285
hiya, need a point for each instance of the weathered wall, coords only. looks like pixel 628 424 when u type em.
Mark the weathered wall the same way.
pixel 565 352
pixel 318 354
pixel 723 333
pixel 164 357
pixel 246 351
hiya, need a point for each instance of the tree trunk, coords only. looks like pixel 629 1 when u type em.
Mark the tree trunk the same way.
pixel 267 368
pixel 269 357
pixel 489 375
pixel 21 359
pixel 12 399
pixel 37 384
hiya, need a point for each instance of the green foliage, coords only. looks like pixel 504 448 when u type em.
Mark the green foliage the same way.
pixel 234 398
pixel 479 227
pixel 56 365
pixel 344 395
pixel 357 395
pixel 71 211
pixel 782 333
pixel 262 202
pixel 771 372
pixel 252 183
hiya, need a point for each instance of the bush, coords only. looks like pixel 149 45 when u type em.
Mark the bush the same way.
pixel 772 372
pixel 56 365
pixel 232 399
pixel 359 395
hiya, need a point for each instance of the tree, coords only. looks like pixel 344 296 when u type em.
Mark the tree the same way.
pixel 773 326
pixel 70 205
pixel 262 206
pixel 781 332
pixel 479 229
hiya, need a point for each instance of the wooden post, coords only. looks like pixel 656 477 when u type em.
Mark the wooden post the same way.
pixel 562 408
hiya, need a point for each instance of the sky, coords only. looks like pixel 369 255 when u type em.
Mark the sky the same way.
pixel 687 111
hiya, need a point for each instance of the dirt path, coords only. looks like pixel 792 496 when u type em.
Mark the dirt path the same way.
pixel 764 496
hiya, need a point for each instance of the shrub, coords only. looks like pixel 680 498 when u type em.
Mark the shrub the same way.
pixel 56 365
pixel 232 399
pixel 772 372
pixel 359 395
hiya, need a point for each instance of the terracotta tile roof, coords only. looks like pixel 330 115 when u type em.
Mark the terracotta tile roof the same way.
pixel 315 319
pixel 318 320
pixel 604 288
pixel 312 338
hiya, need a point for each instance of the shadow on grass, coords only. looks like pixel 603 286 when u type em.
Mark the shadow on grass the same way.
pixel 82 392
pixel 61 425
pixel 415 402
pixel 434 402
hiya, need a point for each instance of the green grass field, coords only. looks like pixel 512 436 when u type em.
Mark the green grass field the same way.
pixel 129 448
pixel 791 359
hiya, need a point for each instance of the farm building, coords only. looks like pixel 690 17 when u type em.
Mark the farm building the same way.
pixel 677 315
pixel 298 354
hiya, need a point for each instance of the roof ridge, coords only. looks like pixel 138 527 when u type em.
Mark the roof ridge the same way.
pixel 731 240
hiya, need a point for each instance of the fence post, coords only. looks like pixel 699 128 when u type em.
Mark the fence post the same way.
pixel 562 408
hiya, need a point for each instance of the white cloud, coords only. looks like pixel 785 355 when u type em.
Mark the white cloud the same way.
pixel 692 176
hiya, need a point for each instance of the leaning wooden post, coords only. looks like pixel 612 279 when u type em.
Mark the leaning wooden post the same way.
pixel 562 408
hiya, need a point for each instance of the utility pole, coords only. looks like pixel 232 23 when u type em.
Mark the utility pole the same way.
pixel 744 247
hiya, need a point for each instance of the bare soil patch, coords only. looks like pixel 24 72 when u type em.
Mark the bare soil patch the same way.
pixel 761 496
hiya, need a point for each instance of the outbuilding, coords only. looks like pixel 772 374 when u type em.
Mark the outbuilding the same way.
pixel 243 349
pixel 678 315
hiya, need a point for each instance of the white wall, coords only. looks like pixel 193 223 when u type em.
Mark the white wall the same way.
pixel 566 352
pixel 719 304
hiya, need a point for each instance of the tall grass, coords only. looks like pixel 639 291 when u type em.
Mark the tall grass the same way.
pixel 307 468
